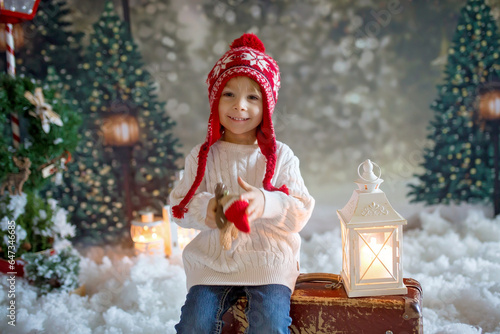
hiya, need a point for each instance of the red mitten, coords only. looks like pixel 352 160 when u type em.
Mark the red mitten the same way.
pixel 235 213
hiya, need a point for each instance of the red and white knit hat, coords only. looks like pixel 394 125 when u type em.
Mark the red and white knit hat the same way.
pixel 245 58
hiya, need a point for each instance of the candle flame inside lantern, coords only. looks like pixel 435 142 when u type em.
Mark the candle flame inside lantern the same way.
pixel 148 234
pixel 376 258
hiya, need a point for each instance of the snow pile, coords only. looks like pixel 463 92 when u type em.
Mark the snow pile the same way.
pixel 458 265
pixel 124 295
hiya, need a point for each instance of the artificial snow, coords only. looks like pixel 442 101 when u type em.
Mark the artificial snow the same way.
pixel 457 263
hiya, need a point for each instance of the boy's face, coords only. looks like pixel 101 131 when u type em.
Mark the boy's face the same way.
pixel 240 110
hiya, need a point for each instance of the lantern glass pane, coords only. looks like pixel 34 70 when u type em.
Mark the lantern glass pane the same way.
pixel 376 255
pixel 19 6
pixel 145 233
pixel 345 249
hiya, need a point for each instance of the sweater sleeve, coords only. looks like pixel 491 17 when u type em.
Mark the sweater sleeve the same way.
pixel 290 212
pixel 197 207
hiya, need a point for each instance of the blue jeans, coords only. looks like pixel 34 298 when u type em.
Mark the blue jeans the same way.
pixel 268 308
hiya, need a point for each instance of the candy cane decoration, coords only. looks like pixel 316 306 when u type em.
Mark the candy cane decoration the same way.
pixel 11 60
pixel 11 70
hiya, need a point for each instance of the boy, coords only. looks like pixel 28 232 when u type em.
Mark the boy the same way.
pixel 241 151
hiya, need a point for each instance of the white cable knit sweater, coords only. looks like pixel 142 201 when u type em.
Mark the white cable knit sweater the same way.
pixel 269 254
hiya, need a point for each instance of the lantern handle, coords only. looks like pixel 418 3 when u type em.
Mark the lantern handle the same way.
pixel 379 169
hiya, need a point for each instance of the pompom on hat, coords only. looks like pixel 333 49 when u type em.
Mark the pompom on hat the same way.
pixel 246 57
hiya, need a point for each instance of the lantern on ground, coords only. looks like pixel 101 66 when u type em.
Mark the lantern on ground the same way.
pixel 148 234
pixel 489 112
pixel 372 240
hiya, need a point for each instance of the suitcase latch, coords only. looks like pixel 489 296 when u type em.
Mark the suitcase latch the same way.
pixel 412 309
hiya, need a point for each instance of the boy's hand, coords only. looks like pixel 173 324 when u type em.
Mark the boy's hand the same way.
pixel 211 209
pixel 255 199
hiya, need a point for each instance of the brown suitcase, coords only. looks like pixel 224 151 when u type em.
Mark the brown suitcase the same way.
pixel 320 305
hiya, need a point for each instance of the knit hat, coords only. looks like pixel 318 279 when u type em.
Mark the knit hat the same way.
pixel 245 58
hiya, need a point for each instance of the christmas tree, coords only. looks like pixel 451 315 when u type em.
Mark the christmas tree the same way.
pixel 48 134
pixel 459 164
pixel 119 89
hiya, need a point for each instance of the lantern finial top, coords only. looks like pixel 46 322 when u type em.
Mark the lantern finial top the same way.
pixel 368 181
pixel 368 174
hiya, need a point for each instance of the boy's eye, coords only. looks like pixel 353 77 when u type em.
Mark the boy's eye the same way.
pixel 254 97
pixel 228 94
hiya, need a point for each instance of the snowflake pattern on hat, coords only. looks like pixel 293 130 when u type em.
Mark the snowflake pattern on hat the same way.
pixel 221 65
pixel 255 59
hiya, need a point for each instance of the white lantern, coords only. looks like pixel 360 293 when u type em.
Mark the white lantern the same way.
pixel 372 240
pixel 148 234
pixel 179 236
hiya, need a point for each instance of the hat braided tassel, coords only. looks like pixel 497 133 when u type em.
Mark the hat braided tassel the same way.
pixel 179 210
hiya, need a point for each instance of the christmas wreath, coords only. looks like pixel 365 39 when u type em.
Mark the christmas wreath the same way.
pixel 46 132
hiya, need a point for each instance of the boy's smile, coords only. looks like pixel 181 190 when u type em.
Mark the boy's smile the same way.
pixel 240 110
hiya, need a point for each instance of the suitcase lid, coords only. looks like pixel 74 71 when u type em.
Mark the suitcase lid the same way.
pixel 311 288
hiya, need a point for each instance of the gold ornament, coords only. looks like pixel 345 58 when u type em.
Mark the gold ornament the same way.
pixel 43 110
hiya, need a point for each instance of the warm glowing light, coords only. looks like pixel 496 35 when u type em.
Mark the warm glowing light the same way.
pixel 148 234
pixel 147 217
pixel 495 106
pixel 178 237
pixel 120 130
pixel 376 260
pixel 184 236
pixel 489 105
